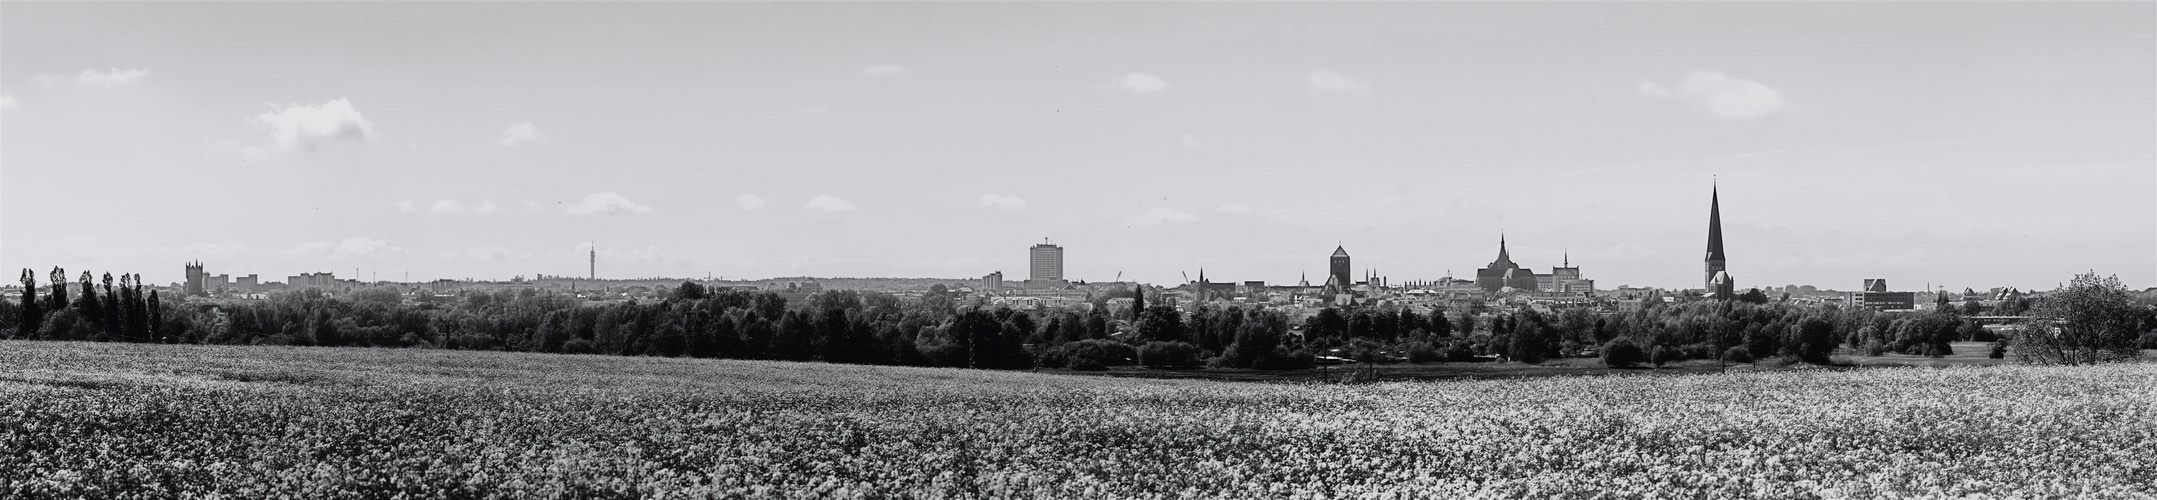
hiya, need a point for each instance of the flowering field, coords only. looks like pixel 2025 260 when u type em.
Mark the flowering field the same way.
pixel 123 420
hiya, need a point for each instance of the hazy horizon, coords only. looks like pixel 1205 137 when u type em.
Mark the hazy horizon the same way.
pixel 1957 144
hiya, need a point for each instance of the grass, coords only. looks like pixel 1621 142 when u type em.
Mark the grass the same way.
pixel 139 421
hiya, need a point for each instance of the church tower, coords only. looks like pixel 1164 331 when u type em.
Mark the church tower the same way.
pixel 1717 280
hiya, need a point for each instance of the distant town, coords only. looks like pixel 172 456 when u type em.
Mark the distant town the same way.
pixel 1500 285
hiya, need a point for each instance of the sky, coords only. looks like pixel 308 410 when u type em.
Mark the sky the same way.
pixel 1951 144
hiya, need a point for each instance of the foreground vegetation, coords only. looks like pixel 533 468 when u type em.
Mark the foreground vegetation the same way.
pixel 110 420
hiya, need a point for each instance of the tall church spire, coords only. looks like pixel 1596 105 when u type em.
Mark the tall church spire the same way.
pixel 1502 256
pixel 1715 225
pixel 1717 281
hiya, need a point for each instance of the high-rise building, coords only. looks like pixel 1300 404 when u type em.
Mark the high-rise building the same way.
pixel 1339 276
pixel 1718 281
pixel 1047 263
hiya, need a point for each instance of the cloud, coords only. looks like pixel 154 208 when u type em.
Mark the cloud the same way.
pixel 487 207
pixel 1232 208
pixel 1141 83
pixel 486 253
pixel 113 78
pixel 306 127
pixel 814 110
pixel 532 206
pixel 446 207
pixel 882 70
pixel 406 206
pixel 1157 216
pixel 1721 96
pixel 1329 82
pixel 749 201
pixel 829 203
pixel 607 203
pixel 519 133
pixel 7 102
pixel 350 248
pixel 1004 202
pixel 1190 143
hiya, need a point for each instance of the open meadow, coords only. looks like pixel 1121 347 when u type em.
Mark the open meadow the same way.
pixel 107 420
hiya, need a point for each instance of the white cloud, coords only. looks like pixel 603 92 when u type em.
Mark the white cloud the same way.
pixel 1141 83
pixel 1329 82
pixel 829 203
pixel 1190 143
pixel 446 207
pixel 406 206
pixel 302 126
pixel 350 248
pixel 607 203
pixel 112 78
pixel 519 133
pixel 1003 202
pixel 532 206
pixel 486 253
pixel 814 110
pixel 487 207
pixel 749 201
pixel 882 70
pixel 1232 208
pixel 7 102
pixel 1721 96
pixel 1157 216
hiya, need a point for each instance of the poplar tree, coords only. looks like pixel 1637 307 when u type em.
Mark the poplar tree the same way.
pixel 32 315
pixel 58 300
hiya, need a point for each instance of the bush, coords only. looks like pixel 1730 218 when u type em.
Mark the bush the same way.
pixel 1621 353
pixel 1738 355
pixel 1999 350
pixel 1422 352
pixel 1104 352
pixel 1460 352
pixel 579 346
pixel 1169 355
pixel 1662 355
pixel 1875 349
pixel 1087 365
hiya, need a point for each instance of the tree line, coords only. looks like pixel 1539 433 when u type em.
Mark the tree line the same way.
pixel 941 329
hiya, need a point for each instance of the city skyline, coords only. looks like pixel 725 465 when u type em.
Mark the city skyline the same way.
pixel 1965 145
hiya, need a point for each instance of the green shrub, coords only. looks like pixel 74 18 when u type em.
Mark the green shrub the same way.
pixel 1662 355
pixel 1087 365
pixel 1738 355
pixel 1621 353
pixel 1169 355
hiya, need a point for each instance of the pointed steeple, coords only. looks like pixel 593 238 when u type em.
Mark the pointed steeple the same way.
pixel 1502 255
pixel 1340 251
pixel 1715 225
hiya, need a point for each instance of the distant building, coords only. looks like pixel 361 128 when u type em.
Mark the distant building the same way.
pixel 312 280
pixel 1502 273
pixel 195 277
pixel 1876 297
pixel 1338 278
pixel 1719 283
pixel 993 281
pixel 1047 263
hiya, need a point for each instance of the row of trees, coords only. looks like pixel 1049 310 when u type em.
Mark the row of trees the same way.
pixel 845 326
pixel 127 313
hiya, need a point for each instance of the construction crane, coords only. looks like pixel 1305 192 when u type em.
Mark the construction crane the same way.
pixel 1119 277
